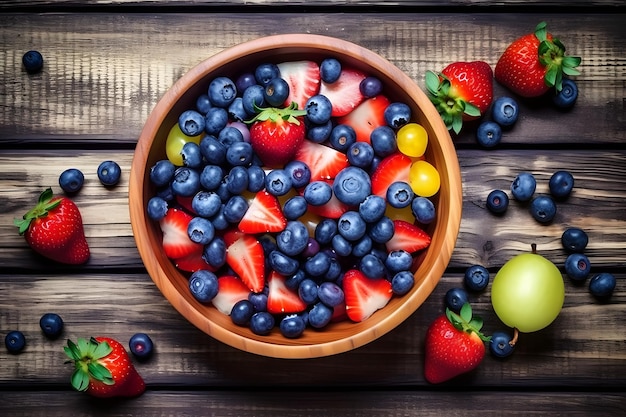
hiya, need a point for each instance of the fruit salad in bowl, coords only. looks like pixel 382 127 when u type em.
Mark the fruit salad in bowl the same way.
pixel 295 196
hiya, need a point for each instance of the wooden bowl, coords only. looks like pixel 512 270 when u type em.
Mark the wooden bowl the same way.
pixel 336 337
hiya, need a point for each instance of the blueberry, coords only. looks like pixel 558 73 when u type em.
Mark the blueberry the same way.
pixel 162 172
pixel 602 285
pixel 222 92
pixel 399 194
pixel 256 178
pixel 351 225
pixel 292 326
pixel 203 104
pixel 318 193
pixel 239 154
pixel 203 285
pixel 398 260
pixel 230 135
pixel 382 230
pixel 308 291
pixel 214 252
pixel 15 341
pixel 574 239
pixel 543 209
pixel 476 278
pixel 157 208
pixel 455 298
pixel 320 315
pixel 325 231
pixel 500 344
pixel 352 185
pixel 312 248
pixel 318 133
pixel 51 325
pixel 237 180
pixel 397 115
pixel 371 86
pixel 402 282
pixel 372 266
pixel 341 137
pixel 191 155
pixel 488 134
pixel 141 346
pixel 330 70
pixel 293 239
pixel 262 323
pixel 318 109
pixel 505 111
pixel 215 120
pixel 497 201
pixel 561 184
pixel 244 81
pixel 200 230
pixel 335 271
pixel 360 154
pixel 295 207
pixel 523 186
pixel 278 182
pixel 276 92
pixel 213 150
pixel 191 122
pixel 293 281
pixel 330 294
pixel 299 173
pixel 219 220
pixel 341 245
pixel 577 266
pixel 242 312
pixel 32 61
pixel 566 98
pixel 235 208
pixel 372 209
pixel 186 182
pixel 423 210
pixel 258 300
pixel 318 264
pixel 206 203
pixel 71 180
pixel 266 72
pixel 383 140
pixel 253 98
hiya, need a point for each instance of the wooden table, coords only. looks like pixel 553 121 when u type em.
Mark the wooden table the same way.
pixel 108 64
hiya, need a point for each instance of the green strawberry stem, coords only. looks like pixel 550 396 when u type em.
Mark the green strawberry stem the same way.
pixel 44 205
pixel 289 114
pixel 552 57
pixel 86 354
pixel 449 107
pixel 466 323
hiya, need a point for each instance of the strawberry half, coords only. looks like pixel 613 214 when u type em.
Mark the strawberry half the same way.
pixel 345 93
pixel 369 115
pixel 462 91
pixel 244 254
pixel 454 345
pixel 193 262
pixel 103 368
pixel 176 242
pixel 54 229
pixel 408 237
pixel 535 63
pixel 230 290
pixel 363 296
pixel 323 161
pixel 395 167
pixel 264 215
pixel 281 299
pixel 303 78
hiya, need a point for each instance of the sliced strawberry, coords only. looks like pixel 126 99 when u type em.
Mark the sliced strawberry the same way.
pixel 366 117
pixel 176 242
pixel 185 202
pixel 395 167
pixel 345 93
pixel 323 161
pixel 244 254
pixel 339 312
pixel 193 262
pixel 230 290
pixel 303 78
pixel 408 237
pixel 264 215
pixel 333 209
pixel 280 299
pixel 363 296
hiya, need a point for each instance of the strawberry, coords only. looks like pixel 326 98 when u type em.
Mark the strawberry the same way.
pixel 281 299
pixel 103 368
pixel 276 134
pixel 244 254
pixel 345 93
pixel 363 296
pixel 176 242
pixel 535 63
pixel 407 236
pixel 185 202
pixel 462 91
pixel 54 229
pixel 264 215
pixel 395 167
pixel 454 345
pixel 369 115
pixel 193 262
pixel 303 78
pixel 323 161
pixel 230 290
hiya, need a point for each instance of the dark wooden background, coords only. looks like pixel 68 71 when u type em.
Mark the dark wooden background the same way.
pixel 106 67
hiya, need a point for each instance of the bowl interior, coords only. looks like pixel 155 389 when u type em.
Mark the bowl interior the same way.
pixel 337 337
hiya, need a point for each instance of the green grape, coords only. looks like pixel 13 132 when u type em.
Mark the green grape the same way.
pixel 176 139
pixel 424 179
pixel 412 139
pixel 528 292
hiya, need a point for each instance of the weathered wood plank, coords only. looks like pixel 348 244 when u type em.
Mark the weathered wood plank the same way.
pixel 113 68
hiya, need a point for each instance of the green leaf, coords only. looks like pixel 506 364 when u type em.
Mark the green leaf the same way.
pixel 432 82
pixel 80 380
pixel 476 323
pixel 466 312
pixel 101 350
pixel 551 76
pixel 100 373
pixel 541 31
pixel 471 110
pixel 571 61
pixel 570 71
pixel 457 123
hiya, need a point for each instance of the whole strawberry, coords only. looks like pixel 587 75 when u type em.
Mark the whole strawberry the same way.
pixel 54 229
pixel 454 345
pixel 276 134
pixel 103 368
pixel 535 63
pixel 462 91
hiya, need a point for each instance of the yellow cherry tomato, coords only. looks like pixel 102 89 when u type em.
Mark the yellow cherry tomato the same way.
pixel 412 139
pixel 424 179
pixel 176 139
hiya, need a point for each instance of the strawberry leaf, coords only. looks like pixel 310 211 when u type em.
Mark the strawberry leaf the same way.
pixel 80 380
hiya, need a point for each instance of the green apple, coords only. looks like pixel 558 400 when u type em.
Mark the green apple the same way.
pixel 528 292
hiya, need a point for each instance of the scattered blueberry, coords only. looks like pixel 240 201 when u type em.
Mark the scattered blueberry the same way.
pixel 360 154
pixel 51 325
pixel 372 266
pixel 523 186
pixel 505 111
pixel 351 225
pixel 318 109
pixel 200 230
pixel 293 239
pixel 577 266
pixel 497 201
pixel 141 346
pixel 186 182
pixel 488 134
pixel 372 209
pixel 330 294
pixel 561 184
pixel 253 98
pixel 574 239
pixel 402 282
pixel 543 209
pixel 264 73
pixel 32 61
pixel 71 180
pixel 262 323
pixel 383 140
pixel 341 137
pixel 278 182
pixel 109 173
pixel 222 92
pixel 455 298
pixel 352 185
pixel 320 315
pixel 500 344
pixel 330 70
pixel 566 98
pixel 476 278
pixel 602 285
pixel 399 194
pixel 15 341
pixel 398 260
pixel 215 120
pixel 162 172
